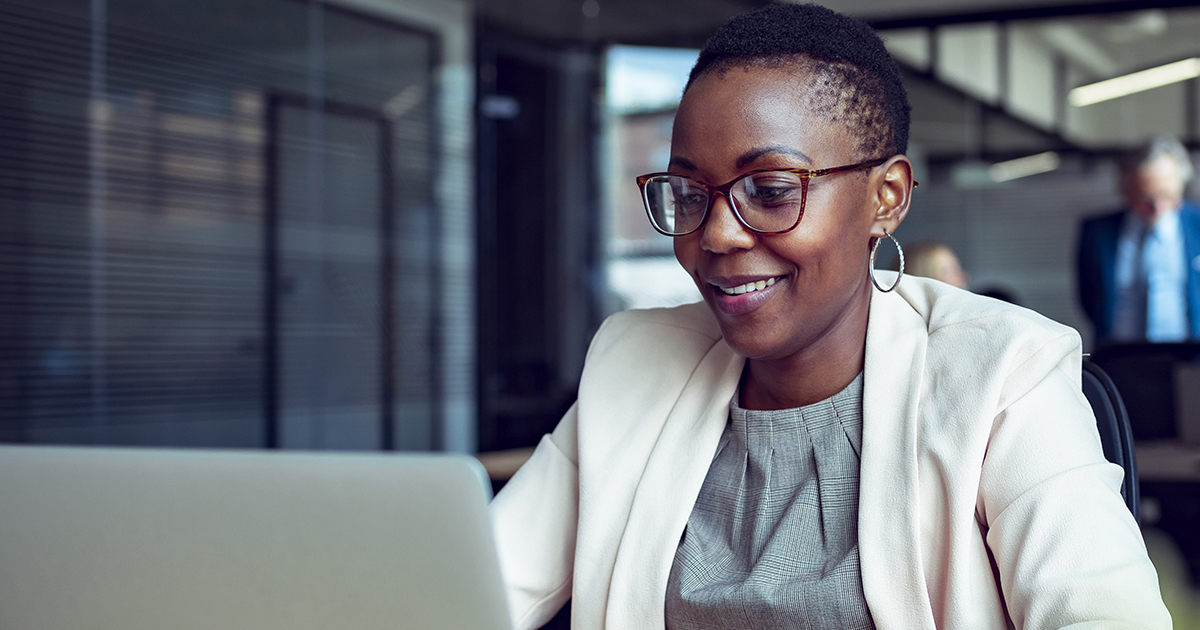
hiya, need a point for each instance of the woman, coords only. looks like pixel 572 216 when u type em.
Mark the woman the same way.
pixel 803 450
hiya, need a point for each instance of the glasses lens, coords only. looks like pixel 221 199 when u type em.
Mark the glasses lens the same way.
pixel 676 204
pixel 770 201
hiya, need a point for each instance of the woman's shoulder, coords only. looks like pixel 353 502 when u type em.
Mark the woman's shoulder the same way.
pixel 973 338
pixel 695 318
pixel 949 311
pixel 660 345
pixel 690 324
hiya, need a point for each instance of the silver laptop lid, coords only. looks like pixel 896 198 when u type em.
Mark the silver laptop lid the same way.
pixel 137 539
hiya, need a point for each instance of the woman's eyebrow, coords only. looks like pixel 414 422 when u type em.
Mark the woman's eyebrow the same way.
pixel 748 157
pixel 682 163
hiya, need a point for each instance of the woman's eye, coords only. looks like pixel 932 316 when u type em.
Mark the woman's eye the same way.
pixel 769 190
pixel 691 199
pixel 774 194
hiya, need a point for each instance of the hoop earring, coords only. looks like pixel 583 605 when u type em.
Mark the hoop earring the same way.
pixel 871 264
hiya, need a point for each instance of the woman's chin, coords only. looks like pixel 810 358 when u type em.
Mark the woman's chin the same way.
pixel 748 342
pixel 743 320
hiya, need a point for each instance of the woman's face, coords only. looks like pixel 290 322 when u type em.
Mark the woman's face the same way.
pixel 762 118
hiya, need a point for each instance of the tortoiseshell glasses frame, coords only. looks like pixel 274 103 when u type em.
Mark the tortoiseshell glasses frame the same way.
pixel 764 201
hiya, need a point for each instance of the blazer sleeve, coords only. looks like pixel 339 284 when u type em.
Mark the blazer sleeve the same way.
pixel 1068 551
pixel 534 519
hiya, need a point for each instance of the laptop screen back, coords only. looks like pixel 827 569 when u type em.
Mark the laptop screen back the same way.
pixel 141 539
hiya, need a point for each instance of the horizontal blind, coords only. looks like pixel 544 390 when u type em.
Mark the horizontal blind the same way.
pixel 133 195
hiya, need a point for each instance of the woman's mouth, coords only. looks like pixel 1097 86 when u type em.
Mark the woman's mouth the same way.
pixel 743 298
pixel 748 287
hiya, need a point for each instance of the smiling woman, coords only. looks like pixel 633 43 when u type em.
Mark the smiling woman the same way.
pixel 803 450
pixel 812 320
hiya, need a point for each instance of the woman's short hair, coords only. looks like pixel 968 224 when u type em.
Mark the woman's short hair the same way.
pixel 861 81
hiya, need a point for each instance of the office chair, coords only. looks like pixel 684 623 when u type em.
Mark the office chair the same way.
pixel 1112 421
pixel 1144 374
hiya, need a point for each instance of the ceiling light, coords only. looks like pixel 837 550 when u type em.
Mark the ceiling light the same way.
pixel 1023 167
pixel 1136 82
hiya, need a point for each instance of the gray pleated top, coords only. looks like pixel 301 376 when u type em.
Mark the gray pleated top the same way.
pixel 772 541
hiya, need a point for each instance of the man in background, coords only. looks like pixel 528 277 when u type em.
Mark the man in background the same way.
pixel 1139 268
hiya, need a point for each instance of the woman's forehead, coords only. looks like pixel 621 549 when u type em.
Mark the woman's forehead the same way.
pixel 743 110
pixel 795 79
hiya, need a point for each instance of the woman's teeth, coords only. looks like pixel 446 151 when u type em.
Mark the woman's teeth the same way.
pixel 748 287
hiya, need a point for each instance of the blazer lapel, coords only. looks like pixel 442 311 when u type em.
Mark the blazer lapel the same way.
pixel 889 522
pixel 668 490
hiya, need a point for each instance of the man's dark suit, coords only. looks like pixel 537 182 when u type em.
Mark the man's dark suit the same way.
pixel 1097 263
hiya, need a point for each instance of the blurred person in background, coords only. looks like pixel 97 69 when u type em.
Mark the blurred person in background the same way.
pixel 1139 267
pixel 930 259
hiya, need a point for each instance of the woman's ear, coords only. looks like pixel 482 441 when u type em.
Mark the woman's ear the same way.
pixel 892 184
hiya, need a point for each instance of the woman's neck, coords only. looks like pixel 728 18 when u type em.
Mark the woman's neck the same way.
pixel 813 374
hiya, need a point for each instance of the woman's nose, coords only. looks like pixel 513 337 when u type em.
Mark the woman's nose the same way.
pixel 722 232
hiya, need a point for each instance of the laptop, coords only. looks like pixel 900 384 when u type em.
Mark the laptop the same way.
pixel 150 539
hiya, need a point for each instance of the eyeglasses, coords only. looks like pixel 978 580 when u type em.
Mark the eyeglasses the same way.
pixel 765 201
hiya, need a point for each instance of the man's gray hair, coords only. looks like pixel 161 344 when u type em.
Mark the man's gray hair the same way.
pixel 1155 148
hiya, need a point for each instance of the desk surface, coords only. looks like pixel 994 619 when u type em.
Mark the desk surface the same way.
pixel 1168 461
pixel 502 465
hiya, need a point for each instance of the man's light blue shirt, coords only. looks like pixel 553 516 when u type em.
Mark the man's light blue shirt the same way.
pixel 1165 262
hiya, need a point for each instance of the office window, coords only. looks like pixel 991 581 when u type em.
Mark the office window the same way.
pixel 643 91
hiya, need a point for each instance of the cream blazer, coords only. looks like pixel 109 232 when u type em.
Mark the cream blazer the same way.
pixel 985 500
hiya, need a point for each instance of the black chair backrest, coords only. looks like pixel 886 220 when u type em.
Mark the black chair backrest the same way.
pixel 1115 434
pixel 1145 375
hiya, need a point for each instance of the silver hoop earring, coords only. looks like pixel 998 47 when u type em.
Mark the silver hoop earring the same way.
pixel 871 264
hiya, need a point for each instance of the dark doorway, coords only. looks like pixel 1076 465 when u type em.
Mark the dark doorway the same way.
pixel 540 286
